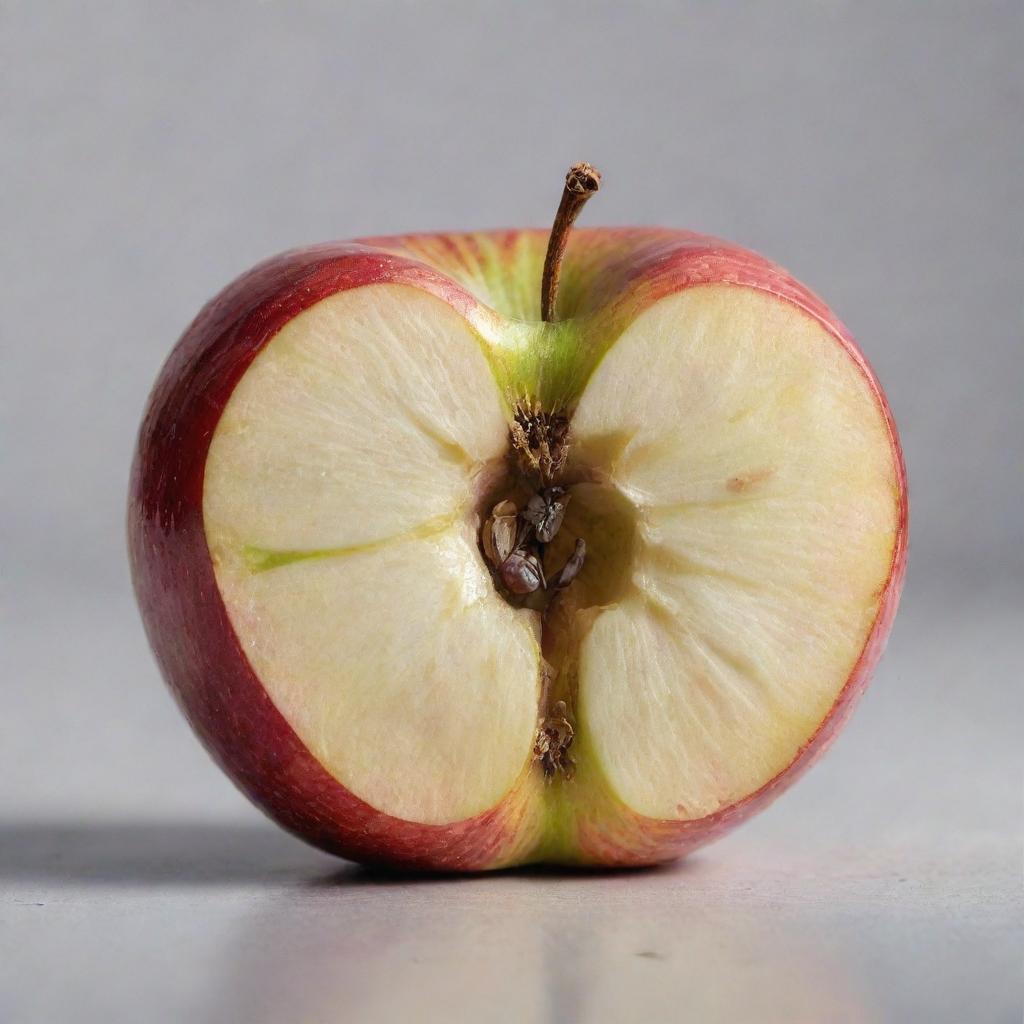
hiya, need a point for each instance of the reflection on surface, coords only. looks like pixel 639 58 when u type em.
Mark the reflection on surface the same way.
pixel 646 947
pixel 172 921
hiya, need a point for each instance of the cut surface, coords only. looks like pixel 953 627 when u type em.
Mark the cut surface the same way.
pixel 339 505
pixel 761 471
pixel 739 504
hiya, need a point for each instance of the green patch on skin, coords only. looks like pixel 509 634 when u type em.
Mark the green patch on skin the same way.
pixel 264 559
pixel 510 280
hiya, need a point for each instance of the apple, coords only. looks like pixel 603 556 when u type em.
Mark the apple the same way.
pixel 452 575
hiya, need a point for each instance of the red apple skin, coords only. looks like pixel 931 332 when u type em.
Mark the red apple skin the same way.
pixel 186 621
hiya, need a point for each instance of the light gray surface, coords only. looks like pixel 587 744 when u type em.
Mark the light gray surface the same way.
pixel 885 887
pixel 153 151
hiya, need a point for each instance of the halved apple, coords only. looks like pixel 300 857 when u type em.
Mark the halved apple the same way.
pixel 321 457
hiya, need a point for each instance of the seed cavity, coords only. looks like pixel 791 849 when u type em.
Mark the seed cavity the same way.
pixel 514 540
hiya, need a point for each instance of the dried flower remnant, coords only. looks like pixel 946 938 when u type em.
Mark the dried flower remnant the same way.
pixel 554 738
pixel 541 442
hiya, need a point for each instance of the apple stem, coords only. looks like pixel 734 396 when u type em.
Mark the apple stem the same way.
pixel 581 183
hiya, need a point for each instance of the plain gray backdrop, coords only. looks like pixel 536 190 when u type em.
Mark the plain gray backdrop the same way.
pixel 154 150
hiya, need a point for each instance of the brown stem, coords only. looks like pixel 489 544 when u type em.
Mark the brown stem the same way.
pixel 581 183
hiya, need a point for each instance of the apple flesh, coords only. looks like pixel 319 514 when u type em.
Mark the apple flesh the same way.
pixel 314 469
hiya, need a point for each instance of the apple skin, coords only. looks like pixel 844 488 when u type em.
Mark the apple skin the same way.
pixel 185 618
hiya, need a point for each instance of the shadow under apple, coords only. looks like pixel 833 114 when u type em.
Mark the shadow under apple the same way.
pixel 155 853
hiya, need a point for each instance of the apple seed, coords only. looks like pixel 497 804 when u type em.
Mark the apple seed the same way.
pixel 522 574
pixel 545 512
pixel 572 567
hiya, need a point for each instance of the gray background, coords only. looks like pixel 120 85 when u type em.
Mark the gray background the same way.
pixel 152 151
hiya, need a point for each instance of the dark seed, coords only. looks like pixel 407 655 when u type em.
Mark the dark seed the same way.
pixel 521 573
pixel 545 512
pixel 572 568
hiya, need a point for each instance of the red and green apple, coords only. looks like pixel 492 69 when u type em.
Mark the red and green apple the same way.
pixel 452 575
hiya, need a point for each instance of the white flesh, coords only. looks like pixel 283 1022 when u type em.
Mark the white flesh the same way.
pixel 761 471
pixel 356 437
